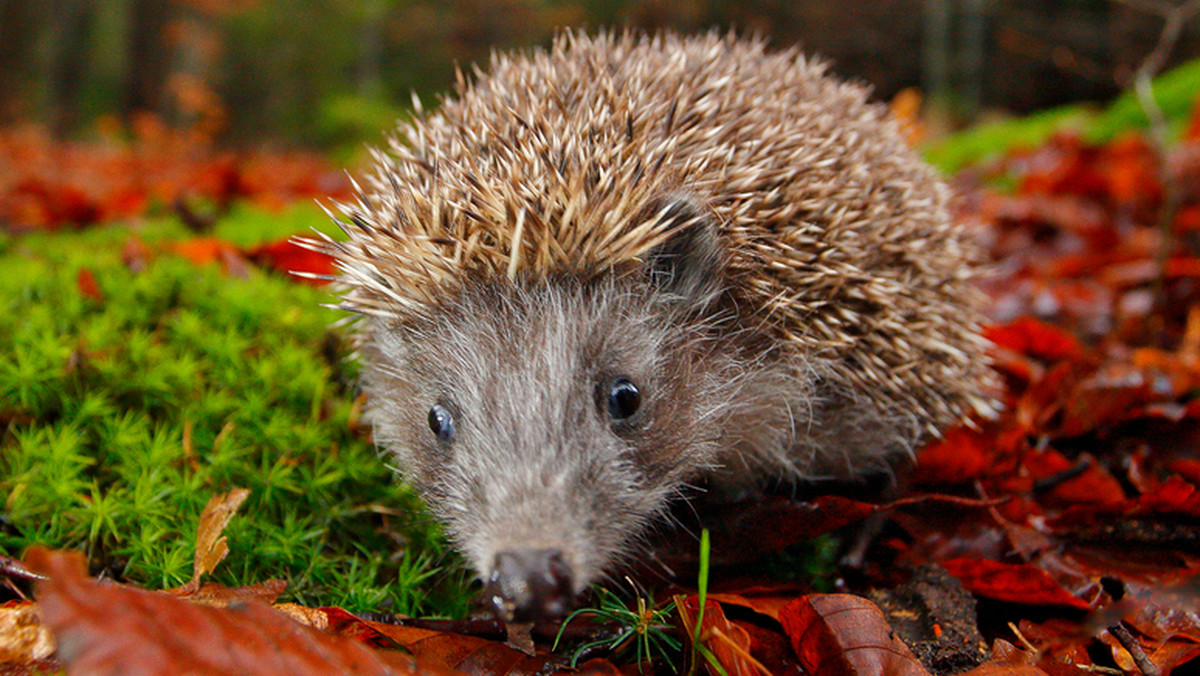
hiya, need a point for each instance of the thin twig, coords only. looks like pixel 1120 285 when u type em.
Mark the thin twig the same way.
pixel 1147 667
pixel 1024 641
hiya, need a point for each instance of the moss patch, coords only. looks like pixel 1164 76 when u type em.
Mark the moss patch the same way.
pixel 121 415
pixel 1175 91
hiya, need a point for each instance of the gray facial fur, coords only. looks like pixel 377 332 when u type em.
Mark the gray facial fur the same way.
pixel 537 460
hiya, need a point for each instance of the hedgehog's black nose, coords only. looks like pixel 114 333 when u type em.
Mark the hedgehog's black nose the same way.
pixel 530 584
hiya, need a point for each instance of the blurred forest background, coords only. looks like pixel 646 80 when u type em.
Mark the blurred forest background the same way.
pixel 327 74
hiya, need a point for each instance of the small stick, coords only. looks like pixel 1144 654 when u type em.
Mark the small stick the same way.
pixel 1144 663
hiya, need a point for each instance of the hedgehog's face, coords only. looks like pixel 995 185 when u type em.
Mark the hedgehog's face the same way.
pixel 547 423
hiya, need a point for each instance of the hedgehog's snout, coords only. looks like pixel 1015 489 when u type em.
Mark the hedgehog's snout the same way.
pixel 530 584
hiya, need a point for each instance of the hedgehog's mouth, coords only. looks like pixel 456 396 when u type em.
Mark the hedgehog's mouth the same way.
pixel 530 584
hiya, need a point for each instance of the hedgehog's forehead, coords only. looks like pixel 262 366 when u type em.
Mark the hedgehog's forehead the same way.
pixel 562 321
pixel 412 245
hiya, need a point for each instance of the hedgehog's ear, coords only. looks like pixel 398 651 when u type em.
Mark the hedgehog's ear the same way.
pixel 689 265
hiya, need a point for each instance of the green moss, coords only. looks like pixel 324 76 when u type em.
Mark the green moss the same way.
pixel 1175 92
pixel 120 417
pixel 986 141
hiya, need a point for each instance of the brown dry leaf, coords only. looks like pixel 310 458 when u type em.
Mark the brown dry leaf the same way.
pixel 998 668
pixel 458 652
pixel 772 649
pixel 905 107
pixel 728 642
pixel 846 635
pixel 23 637
pixel 211 547
pixel 311 617
pixel 762 596
pixel 1008 660
pixel 220 596
pixel 109 628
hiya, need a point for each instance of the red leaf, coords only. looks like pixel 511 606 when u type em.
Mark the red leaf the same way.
pixel 960 456
pixel 86 282
pixel 1036 339
pixel 1192 133
pixel 765 598
pixel 1013 582
pixel 1174 496
pixel 109 628
pixel 845 635
pixel 461 653
pixel 728 643
pixel 1188 468
pixel 204 250
pixel 290 256
pixel 1130 169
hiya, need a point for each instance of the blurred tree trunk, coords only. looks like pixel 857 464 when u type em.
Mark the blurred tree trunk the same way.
pixel 149 57
pixel 973 48
pixel 18 26
pixel 953 53
pixel 370 65
pixel 67 49
pixel 935 55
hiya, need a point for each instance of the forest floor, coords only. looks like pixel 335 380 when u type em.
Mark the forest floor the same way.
pixel 176 415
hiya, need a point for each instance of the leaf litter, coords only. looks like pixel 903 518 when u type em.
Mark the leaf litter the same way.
pixel 1071 519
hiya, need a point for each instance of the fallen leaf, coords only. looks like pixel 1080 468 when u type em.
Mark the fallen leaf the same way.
pixel 762 596
pixel 461 653
pixel 1014 582
pixel 846 635
pixel 290 256
pixel 109 628
pixel 23 637
pixel 203 250
pixel 1036 339
pixel 961 455
pixel 728 643
pixel 86 282
pixel 211 547
pixel 220 596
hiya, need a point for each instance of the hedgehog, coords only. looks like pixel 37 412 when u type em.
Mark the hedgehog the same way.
pixel 602 274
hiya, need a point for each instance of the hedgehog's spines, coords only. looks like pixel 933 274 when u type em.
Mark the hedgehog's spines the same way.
pixel 839 241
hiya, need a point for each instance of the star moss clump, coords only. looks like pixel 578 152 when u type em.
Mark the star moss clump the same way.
pixel 126 404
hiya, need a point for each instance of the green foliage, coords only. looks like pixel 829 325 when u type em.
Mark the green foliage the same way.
pixel 120 417
pixel 990 139
pixel 642 627
pixel 812 562
pixel 1175 92
pixel 347 122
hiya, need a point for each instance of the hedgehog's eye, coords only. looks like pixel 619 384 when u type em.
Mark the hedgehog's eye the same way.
pixel 441 423
pixel 623 398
